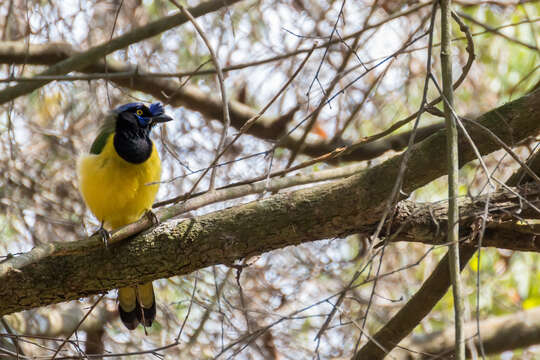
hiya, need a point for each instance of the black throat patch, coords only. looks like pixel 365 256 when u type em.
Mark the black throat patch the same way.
pixel 131 141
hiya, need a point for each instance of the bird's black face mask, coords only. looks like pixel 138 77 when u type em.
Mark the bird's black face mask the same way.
pixel 132 132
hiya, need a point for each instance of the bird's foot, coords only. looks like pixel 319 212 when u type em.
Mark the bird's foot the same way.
pixel 152 217
pixel 105 235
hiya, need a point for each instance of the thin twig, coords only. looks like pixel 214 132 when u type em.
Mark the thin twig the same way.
pixel 86 58
pixel 393 198
pixel 177 339
pixel 498 33
pixel 206 315
pixel 42 60
pixel 196 201
pixel 328 91
pixel 78 326
pixel 507 148
pixel 13 336
pixel 413 312
pixel 247 125
pixel 221 80
pixel 466 134
pixel 453 177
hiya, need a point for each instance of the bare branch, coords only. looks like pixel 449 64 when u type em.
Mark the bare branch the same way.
pixel 453 177
pixel 415 310
pixel 501 333
pixel 90 56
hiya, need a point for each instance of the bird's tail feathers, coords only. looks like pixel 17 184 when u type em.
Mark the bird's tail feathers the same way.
pixel 137 304
pixel 128 306
pixel 147 301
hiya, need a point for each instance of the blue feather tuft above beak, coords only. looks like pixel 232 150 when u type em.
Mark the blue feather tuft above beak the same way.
pixel 156 109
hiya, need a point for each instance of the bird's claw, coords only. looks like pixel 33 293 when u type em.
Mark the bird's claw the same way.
pixel 152 217
pixel 104 234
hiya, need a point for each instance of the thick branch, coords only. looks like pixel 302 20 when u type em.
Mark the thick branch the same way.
pixel 62 271
pixel 474 217
pixel 427 223
pixel 415 310
pixel 412 219
pixel 501 333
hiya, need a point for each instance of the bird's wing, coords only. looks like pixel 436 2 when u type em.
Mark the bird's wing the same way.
pixel 106 129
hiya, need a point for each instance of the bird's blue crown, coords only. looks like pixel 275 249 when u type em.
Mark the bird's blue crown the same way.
pixel 156 109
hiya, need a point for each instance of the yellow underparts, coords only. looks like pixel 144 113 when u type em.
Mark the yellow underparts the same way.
pixel 127 296
pixel 116 191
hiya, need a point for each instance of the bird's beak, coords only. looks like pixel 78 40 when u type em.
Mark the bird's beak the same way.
pixel 161 119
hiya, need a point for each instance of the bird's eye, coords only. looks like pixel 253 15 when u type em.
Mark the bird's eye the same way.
pixel 139 112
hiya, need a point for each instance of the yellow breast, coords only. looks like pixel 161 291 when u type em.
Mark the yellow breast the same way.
pixel 116 191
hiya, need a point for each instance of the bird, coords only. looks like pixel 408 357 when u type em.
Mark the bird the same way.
pixel 118 180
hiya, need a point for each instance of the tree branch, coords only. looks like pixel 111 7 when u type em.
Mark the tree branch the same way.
pixel 453 177
pixel 411 220
pixel 501 333
pixel 437 284
pixel 415 310
pixel 86 58
pixel 58 272
pixel 191 97
pixel 506 229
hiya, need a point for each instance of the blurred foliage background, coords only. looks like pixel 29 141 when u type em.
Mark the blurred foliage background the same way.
pixel 42 135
